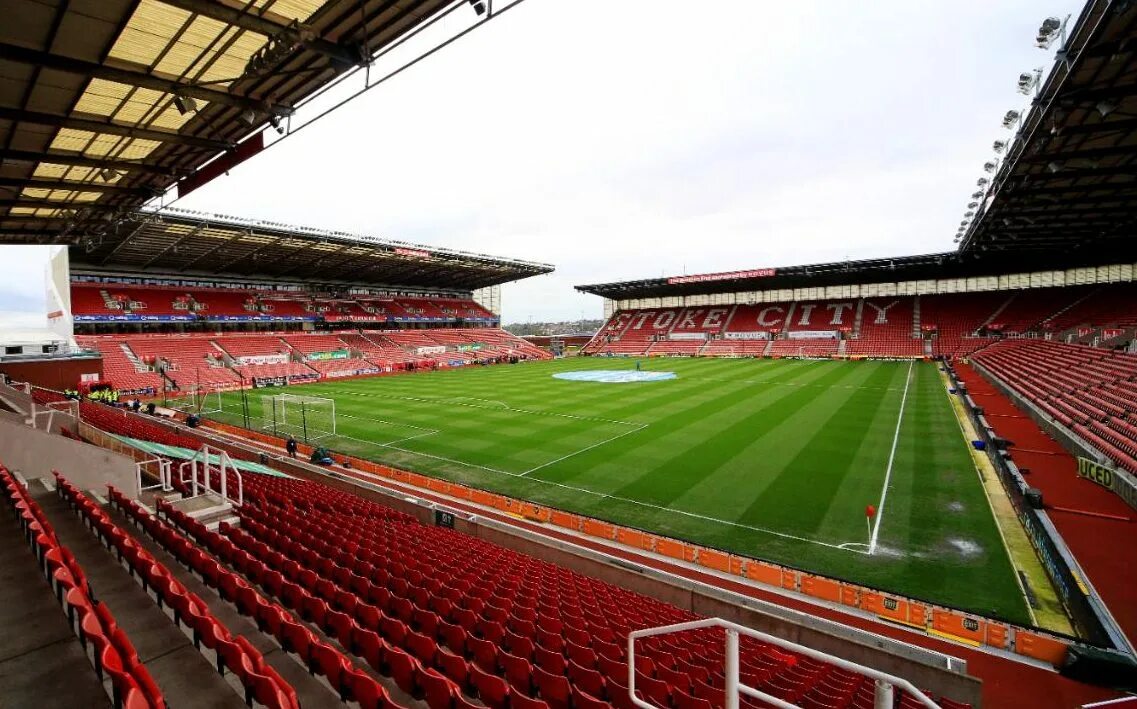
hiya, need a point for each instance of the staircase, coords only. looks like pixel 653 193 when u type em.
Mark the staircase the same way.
pixel 138 365
pixel 859 318
pixel 998 311
pixel 841 347
pixel 1069 306
pixel 916 318
pixel 769 346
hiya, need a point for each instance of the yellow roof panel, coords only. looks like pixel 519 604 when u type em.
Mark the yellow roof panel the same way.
pixel 292 9
pixel 149 30
pixel 59 195
pixel 39 212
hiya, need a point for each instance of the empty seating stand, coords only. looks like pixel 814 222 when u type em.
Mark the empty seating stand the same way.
pixel 233 653
pixel 1090 390
pixel 110 649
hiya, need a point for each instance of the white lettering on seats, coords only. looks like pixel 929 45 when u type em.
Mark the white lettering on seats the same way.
pixel 662 324
pixel 687 322
pixel 772 309
pixel 881 313
pixel 806 311
pixel 641 319
pixel 714 318
pixel 838 312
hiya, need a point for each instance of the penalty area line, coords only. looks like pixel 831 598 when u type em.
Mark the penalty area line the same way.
pixel 891 459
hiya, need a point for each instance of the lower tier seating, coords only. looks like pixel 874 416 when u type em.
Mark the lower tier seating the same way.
pixel 113 654
pixel 1090 390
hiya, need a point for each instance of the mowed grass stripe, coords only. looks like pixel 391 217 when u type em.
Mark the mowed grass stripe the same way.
pixel 826 457
pixel 784 447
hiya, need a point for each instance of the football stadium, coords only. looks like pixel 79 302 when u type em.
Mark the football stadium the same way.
pixel 248 462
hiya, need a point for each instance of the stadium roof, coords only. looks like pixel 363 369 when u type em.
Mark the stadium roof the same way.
pixel 1064 195
pixel 196 244
pixel 106 103
pixel 1069 178
pixel 950 264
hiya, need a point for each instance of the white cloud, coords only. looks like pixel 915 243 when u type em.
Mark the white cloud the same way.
pixel 628 139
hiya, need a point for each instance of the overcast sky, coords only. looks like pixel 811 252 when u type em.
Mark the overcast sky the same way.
pixel 622 139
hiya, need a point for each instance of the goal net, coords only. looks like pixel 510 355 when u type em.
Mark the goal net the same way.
pixel 197 400
pixel 308 418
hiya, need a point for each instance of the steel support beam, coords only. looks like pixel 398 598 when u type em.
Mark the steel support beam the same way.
pixel 262 25
pixel 162 136
pixel 29 156
pixel 33 183
pixel 80 67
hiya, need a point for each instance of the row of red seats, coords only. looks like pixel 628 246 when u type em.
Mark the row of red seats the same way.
pixel 350 629
pixel 261 682
pixel 581 630
pixel 1091 390
pixel 132 686
pixel 270 617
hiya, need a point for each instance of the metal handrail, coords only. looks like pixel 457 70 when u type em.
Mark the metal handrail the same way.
pixel 884 681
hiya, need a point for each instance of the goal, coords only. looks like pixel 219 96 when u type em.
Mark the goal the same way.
pixel 308 418
pixel 197 400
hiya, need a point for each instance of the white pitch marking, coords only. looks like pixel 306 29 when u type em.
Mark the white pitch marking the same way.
pixel 584 450
pixel 891 458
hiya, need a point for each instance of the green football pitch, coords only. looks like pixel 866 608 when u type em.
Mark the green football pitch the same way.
pixel 772 459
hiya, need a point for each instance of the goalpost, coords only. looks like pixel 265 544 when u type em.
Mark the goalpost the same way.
pixel 308 418
pixel 197 400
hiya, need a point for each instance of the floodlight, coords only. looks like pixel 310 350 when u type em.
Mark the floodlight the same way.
pixel 969 214
pixel 1054 166
pixel 989 166
pixel 249 116
pixel 275 122
pixel 999 146
pixel 972 205
pixel 1106 107
pixel 479 7
pixel 982 181
pixel 1047 31
pixel 108 175
pixel 977 195
pixel 1028 80
pixel 1010 119
pixel 185 104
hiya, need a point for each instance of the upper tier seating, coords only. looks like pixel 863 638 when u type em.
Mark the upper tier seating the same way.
pixel 1090 390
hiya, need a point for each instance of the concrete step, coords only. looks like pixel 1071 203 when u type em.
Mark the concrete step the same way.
pixel 37 646
pixel 312 692
pixel 188 678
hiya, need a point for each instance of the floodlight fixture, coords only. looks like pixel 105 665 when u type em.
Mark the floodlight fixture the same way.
pixel 1106 107
pixel 185 104
pixel 972 205
pixel 982 181
pixel 1051 28
pixel 969 214
pixel 977 195
pixel 1054 166
pixel 249 117
pixel 989 166
pixel 1028 81
pixel 109 175
pixel 1011 118
pixel 999 146
pixel 275 122
pixel 479 7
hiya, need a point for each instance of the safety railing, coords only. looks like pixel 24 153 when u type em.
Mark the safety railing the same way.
pixel 885 683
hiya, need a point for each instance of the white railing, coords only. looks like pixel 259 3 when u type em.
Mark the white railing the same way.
pixel 200 479
pixel 885 683
pixel 165 474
